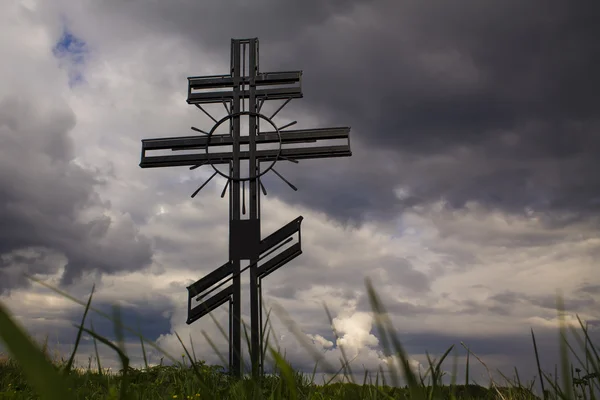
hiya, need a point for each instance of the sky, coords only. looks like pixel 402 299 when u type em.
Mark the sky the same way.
pixel 472 195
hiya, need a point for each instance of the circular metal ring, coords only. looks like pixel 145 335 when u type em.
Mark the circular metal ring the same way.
pixel 237 114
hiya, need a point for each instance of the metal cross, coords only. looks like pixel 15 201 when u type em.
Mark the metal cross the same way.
pixel 232 91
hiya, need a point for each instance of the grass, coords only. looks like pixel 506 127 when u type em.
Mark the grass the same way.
pixel 30 372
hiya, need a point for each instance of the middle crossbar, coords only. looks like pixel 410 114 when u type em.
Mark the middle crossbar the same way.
pixel 291 136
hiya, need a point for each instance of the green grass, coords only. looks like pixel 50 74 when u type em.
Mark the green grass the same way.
pixel 30 373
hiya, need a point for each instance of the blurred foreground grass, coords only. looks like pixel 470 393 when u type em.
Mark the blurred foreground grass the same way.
pixel 30 372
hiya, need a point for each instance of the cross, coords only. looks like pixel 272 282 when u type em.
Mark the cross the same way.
pixel 233 90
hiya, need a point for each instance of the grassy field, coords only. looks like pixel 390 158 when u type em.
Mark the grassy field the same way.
pixel 30 372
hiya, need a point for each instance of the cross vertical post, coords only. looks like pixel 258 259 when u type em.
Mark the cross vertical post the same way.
pixel 255 348
pixel 234 194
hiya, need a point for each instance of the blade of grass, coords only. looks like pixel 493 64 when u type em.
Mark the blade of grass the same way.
pixel 379 320
pixel 312 378
pixel 564 355
pixel 40 373
pixel 539 368
pixel 247 364
pixel 118 325
pixel 78 337
pixel 212 344
pixel 422 378
pixel 416 391
pixel 556 375
pixel 271 329
pixel 334 376
pixel 265 341
pixel 364 384
pixel 438 367
pixel 510 384
pixel 341 347
pixel 205 389
pixel 587 361
pixel 467 370
pixel 143 348
pixel 492 383
pixel 96 350
pixel 122 356
pixel 573 350
pixel 454 377
pixel 595 361
pixel 437 376
pixel 431 388
pixel 554 384
pixel 221 330
pixel 508 381
pixel 301 337
pixel 518 378
pixel 288 374
pixel 193 351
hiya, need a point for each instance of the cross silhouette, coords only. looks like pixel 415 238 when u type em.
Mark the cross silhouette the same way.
pixel 232 90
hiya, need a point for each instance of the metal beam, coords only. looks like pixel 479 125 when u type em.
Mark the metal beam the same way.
pixel 234 211
pixel 226 81
pixel 262 155
pixel 287 137
pixel 209 305
pixel 261 94
pixel 253 163
pixel 280 235
pixel 209 280
pixel 205 84
pixel 279 260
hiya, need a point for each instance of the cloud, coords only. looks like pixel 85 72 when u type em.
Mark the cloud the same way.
pixel 50 212
pixel 459 121
pixel 470 197
pixel 50 203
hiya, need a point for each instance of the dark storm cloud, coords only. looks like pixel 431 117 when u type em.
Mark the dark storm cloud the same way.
pixel 43 193
pixel 592 289
pixel 510 81
pixel 503 304
pixel 153 318
pixel 507 91
pixel 440 74
pixel 576 302
pixel 214 24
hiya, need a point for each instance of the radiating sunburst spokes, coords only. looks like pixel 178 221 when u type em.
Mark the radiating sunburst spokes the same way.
pixel 193 167
pixel 288 125
pixel 279 109
pixel 225 188
pixel 285 180
pixel 204 184
pixel 243 197
pixel 199 130
pixel 257 173
pixel 288 159
pixel 262 187
pixel 206 112
pixel 226 108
